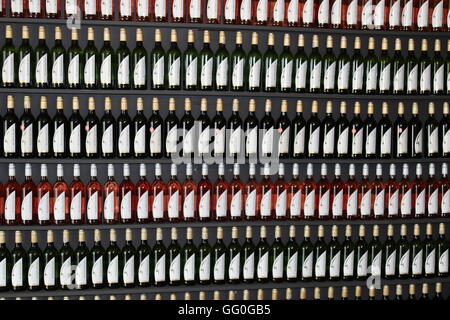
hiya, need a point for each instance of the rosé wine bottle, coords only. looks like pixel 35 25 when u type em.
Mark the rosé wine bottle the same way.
pixel 60 198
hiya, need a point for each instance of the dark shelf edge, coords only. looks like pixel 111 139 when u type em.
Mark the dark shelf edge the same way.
pixel 226 224
pixel 236 94
pixel 212 287
pixel 231 27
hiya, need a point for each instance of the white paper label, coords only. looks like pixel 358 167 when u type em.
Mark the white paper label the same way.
pixel 234 267
pixel 73 71
pixel 277 267
pixel 204 272
pixel 173 205
pixel 329 77
pixel 222 73
pixel 42 140
pixel 108 210
pixel 107 140
pixel 26 141
pixel 316 75
pixel 188 205
pixel 41 73
pixel 142 8
pixel 124 140
pixel 174 269
pixel 299 142
pixel 403 265
pixel 254 75
pixel 33 273
pixel 97 271
pixel 425 79
pixel 75 140
pixel 160 269
pixel 249 267
pixel 142 206
pixel 128 271
pixel 113 271
pixel 389 267
pixel 91 140
pixel 378 15
pixel 366 203
pixel 17 273
pixel 394 14
pixel 367 17
pixel 219 268
pixel 44 207
pixel 245 10
pixel 140 72
pixel 25 69
pixel 230 9
pixel 407 13
pixel 422 16
pixel 378 206
pixel 385 78
pixel 211 10
pixel 49 273
pixel 237 78
pixel 81 272
pixel 320 266
pixel 308 11
pixel 309 205
pixel 123 71
pixel 206 73
pixel 250 204
pixel 105 70
pixel 263 266
pixel 8 69
pixel 125 8
pixel 178 9
pixel 266 203
pixel 92 207
pixel 324 12
pixel 405 205
pixel 9 139
pixel 26 212
pixel 300 75
pixel 75 207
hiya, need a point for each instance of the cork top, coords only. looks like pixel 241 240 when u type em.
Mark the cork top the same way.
pixel 254 38
pixel 231 295
pixel 445 108
pixel 370 108
pixel 204 104
pixel 206 38
pixel 438 287
pixel 321 231
pixel 155 103
pixel 216 295
pixel 66 236
pixel 416 231
pixel 398 290
pixel 106 35
pixel 403 230
pixel 442 228
pixel 299 107
pixel 371 43
pixel 2 237
pixel 123 103
pixel 236 105
pixel 97 235
pixel 425 288
pixel 343 107
pixel 159 234
pixel 123 35
pixel 270 39
pixel 8 32
pixel 344 292
pixel 246 295
pixel 362 231
pixel 27 102
pixel 390 230
pixel 108 103
pixel 112 235
pixel 358 291
pixel 357 44
pixel 139 104
pixel 128 297
pixel 385 108
pixel 384 44
pixel 202 295
pixel 90 34
pixel 376 231
pixel 158 296
pixel 329 107
pixel 277 232
pixel 357 108
pixel 424 46
pixel 315 106
pixel 81 235
pixel 268 105
pixel 34 236
pixel 274 294
pixel 174 234
pixel 238 37
pixel 50 237
pixel 386 290
pixel 329 42
pixel 251 105
pixel 398 44
pixel 173 35
pixel 301 40
pixel 287 40
pixel 263 232
pixel 75 103
pixel 219 104
pixel 204 233
pixel 248 232
pixel 429 230
pixel 334 231
pixel 307 232
pixel 330 293
pixel 187 104
pixel 316 293
pixel 25 32
pixel 431 108
pixel 315 41
pixel 91 103
pixel 41 33
pixel 222 37
pixel 415 108
pixel 343 42
pixel 234 233
pixel 191 38
pixel 74 34
pixel 10 102
pixel 187 296
pixel 372 291
pixel 410 44
pixel 158 36
pixel 219 233
pixel 128 234
pixel 172 104
pixel 302 294
pixel 292 231
pixel 401 108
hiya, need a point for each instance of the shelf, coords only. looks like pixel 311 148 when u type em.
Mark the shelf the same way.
pixel 225 27
pixel 213 287
pixel 225 224
pixel 165 161
pixel 234 94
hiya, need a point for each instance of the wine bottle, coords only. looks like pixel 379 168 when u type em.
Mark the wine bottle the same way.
pixel 28 205
pixel 237 59
pixel 300 66
pixel 190 62
pixel 123 62
pixel 66 256
pixel 262 257
pixel 44 131
pixel 44 195
pixel 306 256
pixel 221 63
pixel 34 264
pixel 189 260
pixel 291 255
pixel 204 257
pixel 392 196
pixel 442 248
pixel 75 57
pixel 328 132
pixel 220 190
pixel 253 65
pixel 412 70
pixel 418 194
pixel 174 204
pixel 251 124
pixel 252 195
pixel 398 68
pixel 444 127
pixel 348 255
pixel 233 258
pixel 236 195
pixel 267 129
pixel 77 198
pixel 403 254
pixel 425 69
pixel 157 196
pixel 248 257
pixel 94 195
pixel 309 194
pixel 91 125
pixel 334 255
pixel 203 130
pixel 171 124
pixel 127 197
pixel 125 135
pixel 235 135
pixel 350 202
pixel 357 67
pixel 91 61
pixel 313 132
pixel 431 127
pixel 129 260
pixel 81 254
pixel 155 123
pixel 8 60
pixel 76 132
pixel 187 127
pixel 206 61
pixel 438 66
pixel 174 259
pixel 107 131
pixel 113 260
pixel 50 264
pixel 140 129
pixel 25 60
pixel 267 192
pixel 111 198
pixel 10 126
pixel 370 133
pixel 432 191
pixel 356 133
pixel 12 198
pixel 157 63
pixel 108 64
pixel 276 257
pixel 343 65
pixel 416 134
pixel 270 66
pixel 298 133
pixel 389 254
pixel 40 57
pixel 323 192
pixel 401 137
pixel 219 251
pixel 158 260
pixel 429 251
pixel 372 66
pixel 405 190
pixel 444 192
pixel 189 196
pixel 329 67
pixel 286 64
pixel 320 256
pixel 385 66
pixel 27 126
pixel 315 67
pixel 19 261
pixel 173 63
pixel 361 255
pixel 375 253
pixel 342 132
pixel 139 62
pixel 337 194
pixel 365 195
pixel 97 257
pixel 58 56
pixel 280 192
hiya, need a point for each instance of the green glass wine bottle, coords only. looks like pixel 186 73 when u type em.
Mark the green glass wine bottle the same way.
pixel 429 252
pixel 270 66
pixel 157 63
pixel 398 69
pixel 26 62
pixel 41 58
pixel 143 254
pixel 306 251
pixel 189 259
pixel 108 66
pixel 262 257
pixel 300 66
pixel 75 61
pixel 219 252
pixel 51 263
pixel 204 258
pixel 221 65
pixel 35 264
pixel 123 62
pixel 442 249
pixel 19 263
pixel 233 258
pixel 335 255
pixel 173 60
pixel 129 261
pixel 416 254
pixel 8 60
pixel 237 59
pixel 438 65
pixel 158 260
pixel 5 261
pixel 348 255
pixel 343 70
pixel 385 69
pixel 190 64
pixel 81 256
pixel 113 262
pixel 174 259
pixel 97 261
pixel 389 254
pixel 286 65
pixel 248 257
pixel 375 253
pixel 329 68
pixel 371 68
pixel 291 256
pixel 425 69
pixel 357 68
pixel 91 63
pixel 315 67
pixel 403 254
pixel 320 256
pixel 139 62
pixel 253 66
pixel 206 68
pixel 276 257
pixel 361 254
pixel 66 257
pixel 411 69
pixel 58 62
